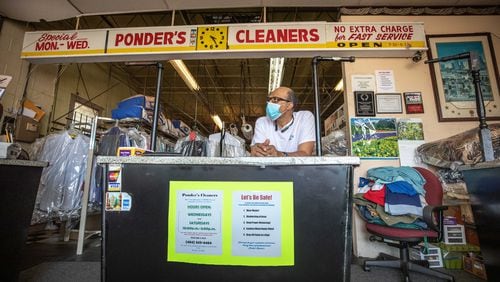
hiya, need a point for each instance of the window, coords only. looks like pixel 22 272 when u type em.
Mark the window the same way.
pixel 83 113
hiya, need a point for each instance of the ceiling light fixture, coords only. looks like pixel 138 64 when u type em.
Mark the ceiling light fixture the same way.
pixel 340 85
pixel 275 73
pixel 185 74
pixel 217 121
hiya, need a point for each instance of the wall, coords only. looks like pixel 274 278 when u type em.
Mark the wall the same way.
pixel 42 83
pixel 411 76
pixel 11 40
pixel 100 83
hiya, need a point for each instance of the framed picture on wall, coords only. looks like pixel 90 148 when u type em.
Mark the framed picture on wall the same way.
pixel 414 103
pixel 452 81
pixel 374 137
pixel 389 103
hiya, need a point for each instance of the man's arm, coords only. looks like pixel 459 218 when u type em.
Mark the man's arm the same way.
pixel 304 150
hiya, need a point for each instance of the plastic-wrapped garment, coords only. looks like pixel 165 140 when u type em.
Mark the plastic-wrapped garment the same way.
pixel 192 145
pixel 334 143
pixel 95 195
pixel 108 146
pixel 36 148
pixel 137 138
pixel 233 146
pixel 463 148
pixel 60 189
pixel 115 137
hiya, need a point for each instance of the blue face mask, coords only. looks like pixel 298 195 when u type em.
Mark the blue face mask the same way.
pixel 273 111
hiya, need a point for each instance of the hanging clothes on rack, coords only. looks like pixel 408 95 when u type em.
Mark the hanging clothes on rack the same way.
pixel 192 145
pixel 59 192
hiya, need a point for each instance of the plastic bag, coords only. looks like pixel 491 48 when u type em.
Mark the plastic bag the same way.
pixel 463 148
pixel 334 143
pixel 192 145
pixel 233 146
pixel 60 190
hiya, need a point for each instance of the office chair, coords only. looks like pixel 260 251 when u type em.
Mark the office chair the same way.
pixel 406 238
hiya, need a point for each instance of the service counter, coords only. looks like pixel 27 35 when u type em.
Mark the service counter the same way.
pixel 483 185
pixel 227 219
pixel 19 181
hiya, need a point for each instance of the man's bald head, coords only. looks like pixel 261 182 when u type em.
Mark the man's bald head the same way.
pixel 287 93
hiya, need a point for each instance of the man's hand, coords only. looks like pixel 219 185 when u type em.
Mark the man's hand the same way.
pixel 264 150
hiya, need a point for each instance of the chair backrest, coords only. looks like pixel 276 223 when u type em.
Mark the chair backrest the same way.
pixel 433 188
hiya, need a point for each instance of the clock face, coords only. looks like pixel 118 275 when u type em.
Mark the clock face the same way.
pixel 212 38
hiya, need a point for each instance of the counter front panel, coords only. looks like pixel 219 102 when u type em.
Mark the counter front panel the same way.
pixel 136 241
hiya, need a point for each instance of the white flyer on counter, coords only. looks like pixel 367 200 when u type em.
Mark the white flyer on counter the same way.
pixel 256 224
pixel 199 216
pixel 385 81
pixel 364 82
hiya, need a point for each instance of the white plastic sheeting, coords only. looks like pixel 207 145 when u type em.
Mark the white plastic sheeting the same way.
pixel 61 184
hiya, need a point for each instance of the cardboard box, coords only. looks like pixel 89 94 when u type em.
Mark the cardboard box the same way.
pixel 459 248
pixel 27 129
pixel 454 234
pixel 30 108
pixel 130 151
pixel 474 265
pixel 452 261
pixel 471 235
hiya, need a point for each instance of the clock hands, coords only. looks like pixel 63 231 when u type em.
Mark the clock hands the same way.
pixel 213 39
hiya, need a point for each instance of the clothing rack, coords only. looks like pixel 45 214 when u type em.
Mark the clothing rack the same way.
pixel 86 184
pixel 90 161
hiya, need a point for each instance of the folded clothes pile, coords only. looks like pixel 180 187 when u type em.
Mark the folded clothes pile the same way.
pixel 392 196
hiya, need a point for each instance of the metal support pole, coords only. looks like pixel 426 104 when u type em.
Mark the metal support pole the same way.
pixel 315 62
pixel 484 131
pixel 86 188
pixel 316 105
pixel 157 106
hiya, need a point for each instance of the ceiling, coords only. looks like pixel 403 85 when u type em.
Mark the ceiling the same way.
pixel 230 88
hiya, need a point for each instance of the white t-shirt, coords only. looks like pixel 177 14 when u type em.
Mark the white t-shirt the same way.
pixel 302 130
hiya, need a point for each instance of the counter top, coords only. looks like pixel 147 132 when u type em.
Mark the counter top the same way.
pixel 251 161
pixel 23 163
pixel 490 164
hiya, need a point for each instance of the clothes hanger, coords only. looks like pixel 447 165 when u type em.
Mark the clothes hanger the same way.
pixel 72 131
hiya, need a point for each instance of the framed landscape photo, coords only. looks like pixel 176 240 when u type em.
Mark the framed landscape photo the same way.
pixel 452 81
pixel 374 137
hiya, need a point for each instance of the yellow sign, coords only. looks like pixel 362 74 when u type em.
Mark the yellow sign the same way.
pixel 231 223
pixel 263 40
pixel 212 38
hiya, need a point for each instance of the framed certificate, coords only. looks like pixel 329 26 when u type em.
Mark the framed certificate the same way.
pixel 389 103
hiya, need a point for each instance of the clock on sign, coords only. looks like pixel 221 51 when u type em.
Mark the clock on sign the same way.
pixel 212 38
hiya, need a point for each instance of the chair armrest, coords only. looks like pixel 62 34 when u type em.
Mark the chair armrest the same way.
pixel 433 216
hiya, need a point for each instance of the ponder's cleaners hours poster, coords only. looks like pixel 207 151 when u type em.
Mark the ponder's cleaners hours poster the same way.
pixel 231 223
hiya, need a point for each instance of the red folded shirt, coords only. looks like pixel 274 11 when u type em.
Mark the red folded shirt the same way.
pixel 376 196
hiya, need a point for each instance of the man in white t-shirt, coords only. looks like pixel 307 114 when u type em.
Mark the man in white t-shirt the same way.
pixel 283 132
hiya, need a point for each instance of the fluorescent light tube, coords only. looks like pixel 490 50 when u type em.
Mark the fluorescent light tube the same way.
pixel 275 73
pixel 217 121
pixel 340 85
pixel 185 74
